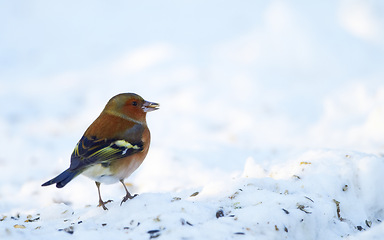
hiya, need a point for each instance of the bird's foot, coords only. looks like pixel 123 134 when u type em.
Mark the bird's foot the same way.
pixel 102 204
pixel 128 196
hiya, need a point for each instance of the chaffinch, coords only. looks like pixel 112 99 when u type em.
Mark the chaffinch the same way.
pixel 113 146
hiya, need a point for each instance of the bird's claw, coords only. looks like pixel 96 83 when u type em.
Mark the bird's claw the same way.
pixel 126 197
pixel 102 204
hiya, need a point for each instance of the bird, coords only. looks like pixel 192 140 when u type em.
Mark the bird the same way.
pixel 113 146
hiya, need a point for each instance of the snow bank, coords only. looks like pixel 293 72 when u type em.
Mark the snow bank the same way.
pixel 319 194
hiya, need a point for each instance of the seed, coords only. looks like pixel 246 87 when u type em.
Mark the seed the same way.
pixel 19 226
pixel 194 194
pixel 219 214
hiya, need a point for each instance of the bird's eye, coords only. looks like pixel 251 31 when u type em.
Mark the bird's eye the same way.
pixel 134 103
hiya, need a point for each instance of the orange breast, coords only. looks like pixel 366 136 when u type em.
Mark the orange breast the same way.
pixel 124 167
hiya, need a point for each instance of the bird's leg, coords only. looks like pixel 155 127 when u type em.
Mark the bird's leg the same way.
pixel 101 202
pixel 127 195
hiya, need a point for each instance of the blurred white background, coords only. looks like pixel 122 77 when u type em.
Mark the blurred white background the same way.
pixel 234 79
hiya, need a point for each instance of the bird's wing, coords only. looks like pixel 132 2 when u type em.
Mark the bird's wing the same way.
pixel 90 151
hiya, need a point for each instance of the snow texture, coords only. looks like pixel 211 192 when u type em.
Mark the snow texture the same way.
pixel 271 123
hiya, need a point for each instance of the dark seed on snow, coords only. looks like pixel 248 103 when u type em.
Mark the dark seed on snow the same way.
pixel 286 211
pixel 302 208
pixel 154 233
pixel 183 222
pixel 194 194
pixel 219 214
pixel 103 224
pixel 309 199
pixel 154 236
pixel 32 220
pixel 368 223
pixel 360 228
pixel 175 199
pixel 69 230
pixel 79 222
pixel 239 233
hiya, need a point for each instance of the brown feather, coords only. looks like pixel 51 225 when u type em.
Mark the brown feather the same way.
pixel 108 126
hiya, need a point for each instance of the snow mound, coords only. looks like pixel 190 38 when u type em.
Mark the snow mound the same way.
pixel 322 194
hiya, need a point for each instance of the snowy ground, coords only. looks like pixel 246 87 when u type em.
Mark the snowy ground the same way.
pixel 271 123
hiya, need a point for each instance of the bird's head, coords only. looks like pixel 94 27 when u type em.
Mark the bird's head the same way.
pixel 131 106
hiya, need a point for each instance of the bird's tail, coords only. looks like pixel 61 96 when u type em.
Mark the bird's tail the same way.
pixel 62 179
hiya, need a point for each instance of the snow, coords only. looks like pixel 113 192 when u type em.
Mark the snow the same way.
pixel 270 126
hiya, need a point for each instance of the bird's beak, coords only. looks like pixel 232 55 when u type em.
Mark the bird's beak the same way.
pixel 150 106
